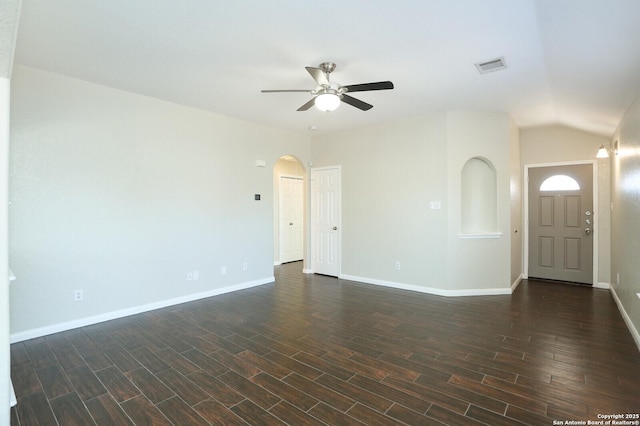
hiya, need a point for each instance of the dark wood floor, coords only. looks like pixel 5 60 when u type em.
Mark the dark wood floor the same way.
pixel 311 350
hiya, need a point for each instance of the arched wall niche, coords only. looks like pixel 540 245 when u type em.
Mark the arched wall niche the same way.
pixel 479 197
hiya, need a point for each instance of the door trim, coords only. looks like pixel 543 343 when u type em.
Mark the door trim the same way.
pixel 596 222
pixel 311 224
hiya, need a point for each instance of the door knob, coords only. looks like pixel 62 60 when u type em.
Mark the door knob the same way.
pixel 587 231
pixel 335 228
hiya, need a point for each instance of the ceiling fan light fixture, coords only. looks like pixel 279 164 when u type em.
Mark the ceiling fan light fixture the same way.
pixel 327 101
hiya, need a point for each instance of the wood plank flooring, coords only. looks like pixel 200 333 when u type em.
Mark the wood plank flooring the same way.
pixel 315 350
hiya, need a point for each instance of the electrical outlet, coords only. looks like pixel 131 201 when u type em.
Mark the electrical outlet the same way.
pixel 196 275
pixel 189 276
pixel 245 266
pixel 397 266
pixel 78 295
pixel 223 270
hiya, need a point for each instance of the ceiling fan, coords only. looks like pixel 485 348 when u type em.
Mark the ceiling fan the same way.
pixel 327 95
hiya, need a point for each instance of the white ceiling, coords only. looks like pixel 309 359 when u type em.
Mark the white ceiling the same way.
pixel 572 62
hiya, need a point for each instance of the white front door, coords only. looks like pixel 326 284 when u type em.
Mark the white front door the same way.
pixel 290 212
pixel 561 223
pixel 325 220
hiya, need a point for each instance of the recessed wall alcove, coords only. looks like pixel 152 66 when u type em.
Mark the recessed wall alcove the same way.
pixel 479 216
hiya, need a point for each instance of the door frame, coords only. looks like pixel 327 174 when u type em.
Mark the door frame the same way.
pixel 311 224
pixel 596 222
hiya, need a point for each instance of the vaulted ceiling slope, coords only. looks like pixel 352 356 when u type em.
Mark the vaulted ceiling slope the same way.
pixel 571 62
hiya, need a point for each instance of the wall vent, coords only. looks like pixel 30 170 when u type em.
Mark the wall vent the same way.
pixel 492 65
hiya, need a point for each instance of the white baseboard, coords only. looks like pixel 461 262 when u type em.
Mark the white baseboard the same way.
pixel 12 398
pixel 516 283
pixel 277 263
pixel 632 328
pixel 69 325
pixel 429 290
pixel 606 286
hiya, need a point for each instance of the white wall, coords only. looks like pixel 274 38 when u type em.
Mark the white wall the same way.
pixel 390 173
pixel 625 229
pixel 516 207
pixel 479 263
pixel 4 251
pixel 9 14
pixel 549 144
pixel 122 195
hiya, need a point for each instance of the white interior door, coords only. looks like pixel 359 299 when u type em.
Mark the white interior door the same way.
pixel 290 212
pixel 325 220
pixel 561 223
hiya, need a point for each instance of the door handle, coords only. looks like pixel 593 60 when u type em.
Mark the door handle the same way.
pixel 335 228
pixel 587 231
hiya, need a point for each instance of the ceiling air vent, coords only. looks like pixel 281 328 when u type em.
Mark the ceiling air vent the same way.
pixel 492 65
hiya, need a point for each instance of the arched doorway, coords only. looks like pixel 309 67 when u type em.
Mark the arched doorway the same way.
pixel 289 182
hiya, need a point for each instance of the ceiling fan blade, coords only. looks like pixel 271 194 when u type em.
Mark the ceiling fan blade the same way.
pixel 307 105
pixel 318 75
pixel 380 85
pixel 287 90
pixel 356 103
